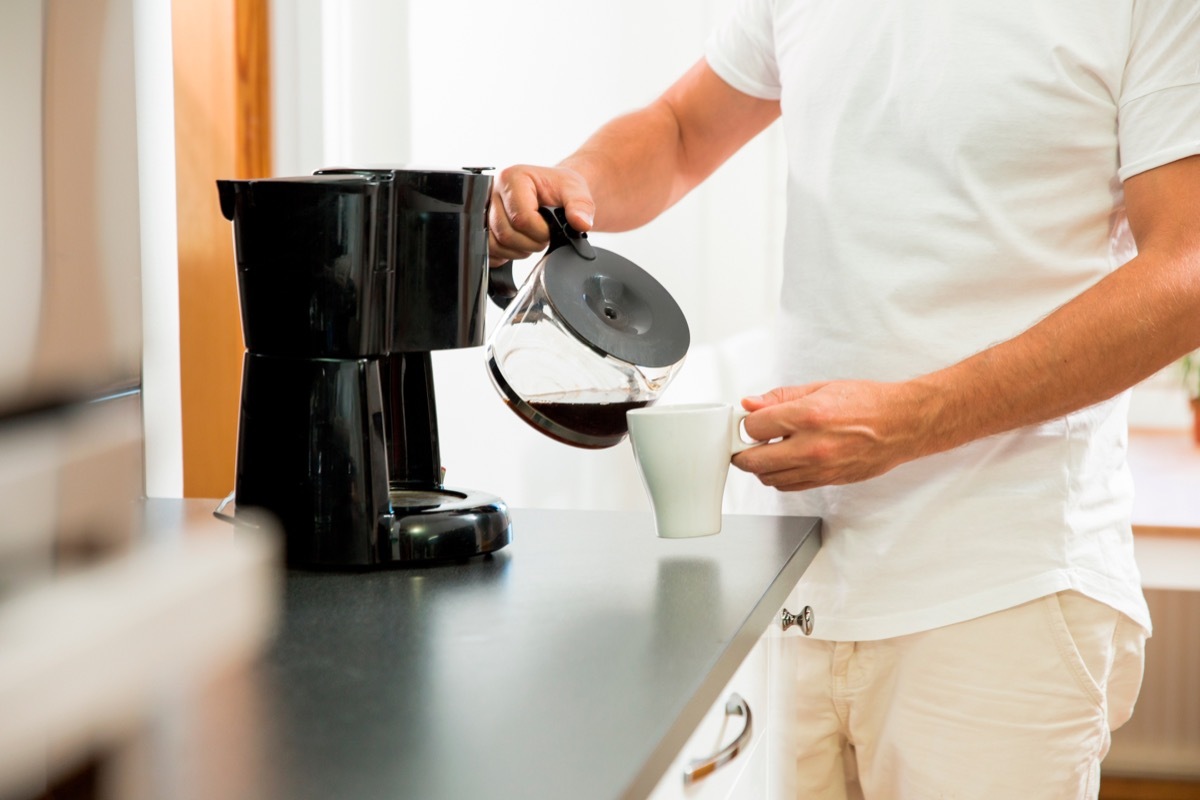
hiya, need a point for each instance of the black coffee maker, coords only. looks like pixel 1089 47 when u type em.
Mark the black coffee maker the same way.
pixel 348 279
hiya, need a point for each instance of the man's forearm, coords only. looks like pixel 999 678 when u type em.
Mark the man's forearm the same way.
pixel 632 166
pixel 1122 330
pixel 639 165
pixel 1126 327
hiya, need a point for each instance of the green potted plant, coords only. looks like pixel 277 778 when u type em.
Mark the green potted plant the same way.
pixel 1190 365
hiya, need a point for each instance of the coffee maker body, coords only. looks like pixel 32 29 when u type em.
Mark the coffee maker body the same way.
pixel 348 279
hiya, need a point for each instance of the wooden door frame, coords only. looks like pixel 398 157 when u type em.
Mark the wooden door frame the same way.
pixel 222 130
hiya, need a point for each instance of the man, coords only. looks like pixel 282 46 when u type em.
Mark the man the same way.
pixel 963 309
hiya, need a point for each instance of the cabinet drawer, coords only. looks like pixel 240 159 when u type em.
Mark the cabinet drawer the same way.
pixel 754 782
pixel 718 729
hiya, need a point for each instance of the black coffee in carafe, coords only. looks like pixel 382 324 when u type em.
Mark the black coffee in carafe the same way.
pixel 584 424
pixel 347 280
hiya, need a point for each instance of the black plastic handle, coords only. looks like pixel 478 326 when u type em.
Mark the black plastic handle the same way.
pixel 501 286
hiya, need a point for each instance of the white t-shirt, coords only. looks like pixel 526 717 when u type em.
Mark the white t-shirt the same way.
pixel 955 174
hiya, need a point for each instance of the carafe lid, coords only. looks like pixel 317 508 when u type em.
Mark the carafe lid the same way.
pixel 611 303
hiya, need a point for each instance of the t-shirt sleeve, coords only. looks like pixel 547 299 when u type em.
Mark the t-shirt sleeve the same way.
pixel 742 50
pixel 1159 115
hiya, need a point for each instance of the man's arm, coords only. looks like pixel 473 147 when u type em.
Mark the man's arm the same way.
pixel 1126 327
pixel 633 168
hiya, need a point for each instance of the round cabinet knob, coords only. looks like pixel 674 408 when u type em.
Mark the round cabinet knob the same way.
pixel 804 619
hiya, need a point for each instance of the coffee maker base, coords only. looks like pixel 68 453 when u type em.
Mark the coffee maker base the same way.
pixel 442 525
pixel 421 527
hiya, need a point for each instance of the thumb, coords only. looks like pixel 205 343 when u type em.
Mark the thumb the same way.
pixel 580 210
pixel 572 192
pixel 780 394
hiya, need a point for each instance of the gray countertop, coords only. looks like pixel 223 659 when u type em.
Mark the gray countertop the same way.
pixel 573 663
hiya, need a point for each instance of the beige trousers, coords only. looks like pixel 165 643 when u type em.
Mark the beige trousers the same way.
pixel 1018 704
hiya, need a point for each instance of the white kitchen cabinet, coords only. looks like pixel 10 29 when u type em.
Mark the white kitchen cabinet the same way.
pixel 753 781
pixel 719 729
pixel 760 769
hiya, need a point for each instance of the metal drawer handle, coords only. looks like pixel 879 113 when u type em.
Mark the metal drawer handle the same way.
pixel 700 768
pixel 804 619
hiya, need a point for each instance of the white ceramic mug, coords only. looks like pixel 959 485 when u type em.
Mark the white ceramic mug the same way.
pixel 683 453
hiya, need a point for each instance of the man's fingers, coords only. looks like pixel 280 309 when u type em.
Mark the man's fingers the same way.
pixel 780 394
pixel 766 458
pixel 778 470
pixel 771 422
pixel 517 229
pixel 779 412
pixel 511 220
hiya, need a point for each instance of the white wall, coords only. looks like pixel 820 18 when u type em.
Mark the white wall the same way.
pixel 155 102
pixel 526 81
pixel 340 84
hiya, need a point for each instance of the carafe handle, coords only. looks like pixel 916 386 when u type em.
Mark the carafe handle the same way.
pixel 501 286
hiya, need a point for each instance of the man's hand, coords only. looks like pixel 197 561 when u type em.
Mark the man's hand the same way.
pixel 516 229
pixel 834 433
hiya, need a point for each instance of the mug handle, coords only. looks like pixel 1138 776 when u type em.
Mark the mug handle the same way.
pixel 736 443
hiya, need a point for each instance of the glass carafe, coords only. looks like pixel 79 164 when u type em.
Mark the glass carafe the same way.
pixel 587 337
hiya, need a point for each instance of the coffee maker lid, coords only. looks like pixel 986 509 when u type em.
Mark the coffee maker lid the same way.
pixel 612 304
